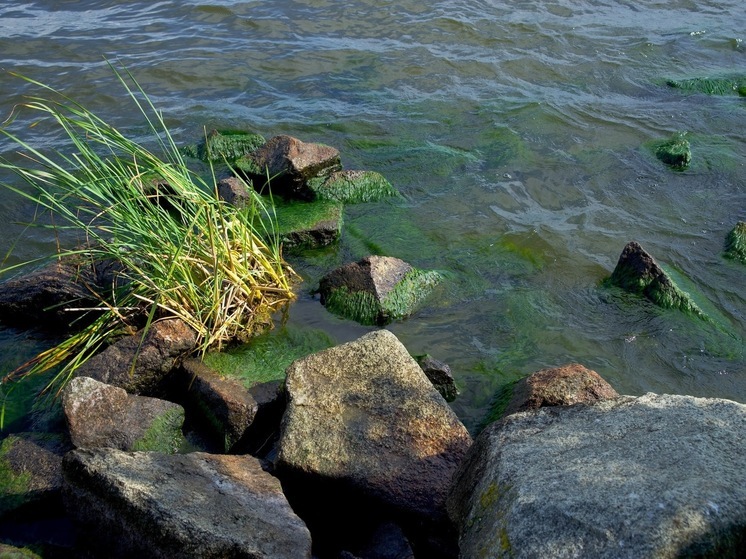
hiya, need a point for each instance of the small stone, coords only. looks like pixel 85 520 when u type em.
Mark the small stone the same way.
pixel 235 191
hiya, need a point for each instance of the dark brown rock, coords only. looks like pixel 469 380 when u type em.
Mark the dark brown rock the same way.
pixel 235 191
pixel 165 344
pixel 440 375
pixel 561 386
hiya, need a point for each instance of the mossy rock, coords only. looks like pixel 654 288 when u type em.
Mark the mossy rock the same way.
pixel 164 433
pixel 735 243
pixel 674 152
pixel 10 552
pixel 226 145
pixel 732 85
pixel 353 187
pixel 14 487
pixel 302 225
pixel 266 357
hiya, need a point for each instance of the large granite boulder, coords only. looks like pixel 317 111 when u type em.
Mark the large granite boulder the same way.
pixel 376 290
pixel 363 418
pixel 166 343
pixel 148 504
pixel 101 415
pixel 639 273
pixel 654 476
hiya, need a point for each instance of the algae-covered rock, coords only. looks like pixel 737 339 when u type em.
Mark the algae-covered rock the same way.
pixel 639 273
pixel 352 187
pixel 308 224
pixel 733 85
pixel 10 552
pixel 376 290
pixel 675 152
pixel 735 243
pixel 226 145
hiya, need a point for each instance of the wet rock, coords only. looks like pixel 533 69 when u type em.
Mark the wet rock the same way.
pixel 227 145
pixel 364 419
pixel 165 344
pixel 234 191
pixel 101 415
pixel 639 273
pixel 654 476
pixel 376 290
pixel 560 386
pixel 290 164
pixel 440 375
pixel 353 187
pixel 675 152
pixel 180 506
pixel 30 474
pixel 221 404
pixel 735 243
pixel 304 225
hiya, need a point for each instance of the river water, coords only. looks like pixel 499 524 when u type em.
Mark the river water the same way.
pixel 515 131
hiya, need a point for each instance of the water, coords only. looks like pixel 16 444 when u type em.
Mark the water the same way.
pixel 514 130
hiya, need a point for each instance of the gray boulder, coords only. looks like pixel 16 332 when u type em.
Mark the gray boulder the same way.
pixel 165 343
pixel 363 416
pixel 101 415
pixel 654 476
pixel 196 506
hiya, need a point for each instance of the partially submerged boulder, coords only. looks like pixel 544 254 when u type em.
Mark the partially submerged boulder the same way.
pixel 290 164
pixel 675 152
pixel 226 145
pixel 567 385
pixel 440 375
pixel 101 415
pixel 308 225
pixel 353 187
pixel 376 290
pixel 180 506
pixel 654 476
pixel 735 243
pixel 364 419
pixel 639 273
pixel 139 365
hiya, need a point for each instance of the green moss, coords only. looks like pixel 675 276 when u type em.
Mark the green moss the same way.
pixel 487 506
pixel 675 152
pixel 266 357
pixel 227 145
pixel 733 85
pixel 308 224
pixel 352 187
pixel 164 434
pixel 735 243
pixel 14 487
pixel 10 552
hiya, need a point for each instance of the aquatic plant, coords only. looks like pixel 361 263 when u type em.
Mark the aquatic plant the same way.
pixel 735 85
pixel 675 151
pixel 182 251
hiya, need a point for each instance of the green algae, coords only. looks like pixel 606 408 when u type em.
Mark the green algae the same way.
pixel 308 224
pixel 10 552
pixel 225 145
pixel 675 152
pixel 266 357
pixel 735 243
pixel 14 487
pixel 729 85
pixel 353 187
pixel 499 403
pixel 164 433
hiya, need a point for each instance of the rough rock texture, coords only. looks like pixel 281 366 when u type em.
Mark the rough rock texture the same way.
pixel 735 243
pixel 363 415
pixel 101 415
pixel 376 290
pixel 352 187
pixel 223 404
pixel 180 506
pixel 654 476
pixel 30 472
pixel 638 272
pixel 560 386
pixel 290 164
pixel 166 342
pixel 440 375
pixel 387 542
pixel 234 191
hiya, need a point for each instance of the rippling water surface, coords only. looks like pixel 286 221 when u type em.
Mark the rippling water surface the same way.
pixel 514 130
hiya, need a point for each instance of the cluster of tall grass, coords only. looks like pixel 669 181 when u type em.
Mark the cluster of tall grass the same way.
pixel 182 252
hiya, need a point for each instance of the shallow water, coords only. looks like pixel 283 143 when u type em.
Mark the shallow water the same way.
pixel 516 132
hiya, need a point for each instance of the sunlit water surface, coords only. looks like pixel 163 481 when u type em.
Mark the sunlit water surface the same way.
pixel 514 130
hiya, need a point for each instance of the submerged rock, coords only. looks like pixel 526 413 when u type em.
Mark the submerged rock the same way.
pixel 735 243
pixel 675 152
pixel 734 85
pixel 101 415
pixel 290 164
pixel 363 419
pixel 138 366
pixel 376 290
pixel 559 386
pixel 639 273
pixel 148 504
pixel 654 476
pixel 353 187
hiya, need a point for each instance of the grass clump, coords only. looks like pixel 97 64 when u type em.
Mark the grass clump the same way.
pixel 217 267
